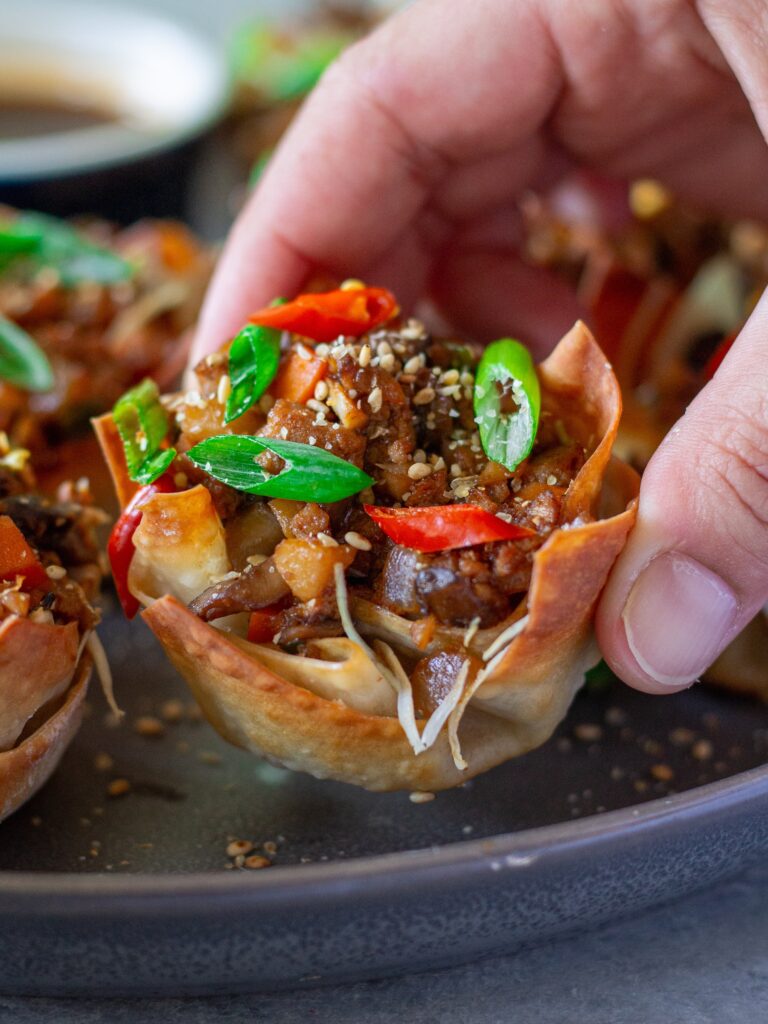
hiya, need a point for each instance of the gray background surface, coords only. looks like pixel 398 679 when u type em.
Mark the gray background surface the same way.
pixel 704 961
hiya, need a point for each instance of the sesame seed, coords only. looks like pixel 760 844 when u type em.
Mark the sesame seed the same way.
pixel 322 350
pixel 303 352
pixel 352 284
pixel 414 364
pixel 455 469
pixel 321 390
pixel 387 362
pixel 311 439
pixel 118 787
pixel 238 847
pixel 56 572
pixel 452 391
pixel 215 359
pixel 424 396
pixel 356 540
pixel 439 463
pixel 375 399
pixel 551 480
pixel 421 798
pixel 256 861
pixel 365 355
pixel 283 432
pixel 450 377
pixel 256 559
pixel 419 455
pixel 505 517
pixel 384 349
pixel 224 390
pixel 316 406
pixel 419 470
pixel 148 725
pixel 413 330
pixel 327 540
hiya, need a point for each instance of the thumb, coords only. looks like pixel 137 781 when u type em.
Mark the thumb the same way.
pixel 695 569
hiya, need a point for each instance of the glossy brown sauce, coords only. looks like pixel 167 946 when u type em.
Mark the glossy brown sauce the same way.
pixel 24 119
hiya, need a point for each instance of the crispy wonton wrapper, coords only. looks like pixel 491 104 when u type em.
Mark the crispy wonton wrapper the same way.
pixel 43 681
pixel 335 715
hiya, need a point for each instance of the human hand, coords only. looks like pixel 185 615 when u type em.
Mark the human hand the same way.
pixel 406 168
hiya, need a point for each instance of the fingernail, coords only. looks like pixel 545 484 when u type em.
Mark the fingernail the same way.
pixel 677 618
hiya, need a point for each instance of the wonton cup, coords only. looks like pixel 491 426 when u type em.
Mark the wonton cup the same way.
pixel 43 682
pixel 335 716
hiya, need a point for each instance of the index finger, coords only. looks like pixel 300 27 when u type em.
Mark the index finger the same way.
pixel 350 185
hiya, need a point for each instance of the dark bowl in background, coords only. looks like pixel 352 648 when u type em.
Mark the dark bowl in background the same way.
pixel 158 87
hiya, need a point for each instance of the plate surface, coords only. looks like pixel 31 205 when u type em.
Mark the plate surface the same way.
pixel 136 893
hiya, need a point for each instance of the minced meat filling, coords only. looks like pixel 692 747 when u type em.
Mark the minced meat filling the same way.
pixel 400 405
pixel 63 535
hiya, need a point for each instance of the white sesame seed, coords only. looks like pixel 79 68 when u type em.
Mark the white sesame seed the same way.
pixel 551 480
pixel 256 559
pixel 283 432
pixel 419 455
pixel 505 517
pixel 356 540
pixel 450 377
pixel 327 540
pixel 321 390
pixel 419 470
pixel 56 572
pixel 311 439
pixel 452 391
pixel 424 396
pixel 413 330
pixel 322 350
pixel 316 406
pixel 375 399
pixel 387 362
pixel 455 469
pixel 365 355
pixel 421 798
pixel 439 463
pixel 384 349
pixel 224 390
pixel 303 352
pixel 414 364
pixel 352 284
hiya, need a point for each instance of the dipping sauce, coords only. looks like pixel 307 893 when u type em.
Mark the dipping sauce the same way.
pixel 24 119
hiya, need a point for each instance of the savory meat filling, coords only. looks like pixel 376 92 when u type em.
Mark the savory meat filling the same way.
pixel 398 404
pixel 50 564
pixel 100 335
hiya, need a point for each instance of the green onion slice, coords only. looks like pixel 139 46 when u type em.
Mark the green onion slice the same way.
pixel 142 424
pixel 254 356
pixel 507 402
pixel 310 473
pixel 22 362
pixel 44 241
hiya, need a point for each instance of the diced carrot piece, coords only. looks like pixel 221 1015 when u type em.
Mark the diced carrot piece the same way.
pixel 298 377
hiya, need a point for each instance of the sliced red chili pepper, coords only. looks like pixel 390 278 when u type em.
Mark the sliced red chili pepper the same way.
pixel 120 547
pixel 264 623
pixel 324 316
pixel 17 557
pixel 722 350
pixel 444 527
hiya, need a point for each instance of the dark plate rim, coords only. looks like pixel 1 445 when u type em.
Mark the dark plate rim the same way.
pixel 381 873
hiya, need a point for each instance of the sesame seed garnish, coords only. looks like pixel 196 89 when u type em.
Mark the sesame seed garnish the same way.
pixel 224 390
pixel 387 362
pixel 352 284
pixel 327 540
pixel 384 349
pixel 505 517
pixel 356 540
pixel 239 847
pixel 316 406
pixel 283 432
pixel 55 572
pixel 414 364
pixel 419 470
pixel 439 463
pixel 321 390
pixel 365 355
pixel 375 399
pixel 322 350
pixel 256 861
pixel 118 787
pixel 303 352
pixel 419 455
pixel 421 798
pixel 551 480
pixel 424 396
pixel 256 559
pixel 455 469
pixel 413 330
pixel 450 377
pixel 452 391
pixel 148 725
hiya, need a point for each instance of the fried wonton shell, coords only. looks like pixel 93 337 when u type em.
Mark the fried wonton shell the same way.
pixel 41 662
pixel 527 687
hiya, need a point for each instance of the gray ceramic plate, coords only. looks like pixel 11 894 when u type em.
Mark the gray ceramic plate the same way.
pixel 136 893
